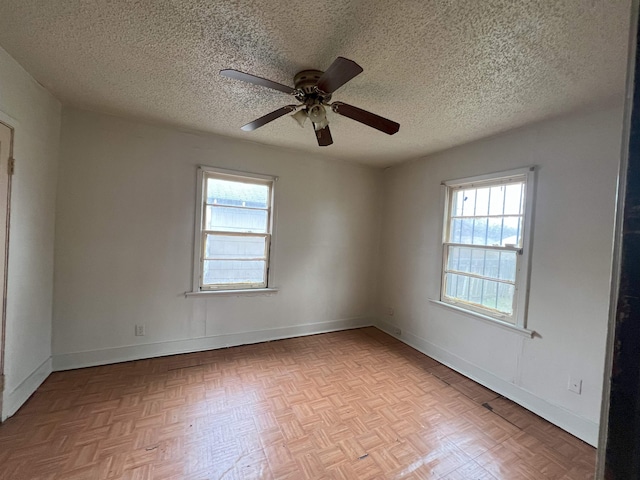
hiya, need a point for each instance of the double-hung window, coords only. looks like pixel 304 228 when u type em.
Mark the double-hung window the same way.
pixel 233 233
pixel 487 227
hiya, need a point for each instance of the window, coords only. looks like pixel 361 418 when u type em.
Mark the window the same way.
pixel 486 243
pixel 233 232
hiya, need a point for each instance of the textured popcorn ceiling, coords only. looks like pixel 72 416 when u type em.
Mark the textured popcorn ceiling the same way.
pixel 449 71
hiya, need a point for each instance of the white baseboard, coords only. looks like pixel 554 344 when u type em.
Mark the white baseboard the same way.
pixel 14 399
pixel 68 361
pixel 580 427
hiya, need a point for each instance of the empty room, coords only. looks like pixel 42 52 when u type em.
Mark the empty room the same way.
pixel 308 240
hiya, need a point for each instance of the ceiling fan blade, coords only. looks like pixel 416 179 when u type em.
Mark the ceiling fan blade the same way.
pixel 269 117
pixel 339 72
pixel 324 137
pixel 263 82
pixel 371 119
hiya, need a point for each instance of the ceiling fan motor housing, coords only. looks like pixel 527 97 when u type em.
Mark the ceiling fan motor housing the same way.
pixel 305 82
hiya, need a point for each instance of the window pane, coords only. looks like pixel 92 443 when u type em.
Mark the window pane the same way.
pixel 480 231
pixel 454 258
pixel 485 293
pixel 492 263
pixel 494 232
pixel 462 230
pixel 228 192
pixel 458 203
pixel 482 201
pixel 456 231
pixel 233 271
pixel 468 260
pixel 468 202
pixel 459 259
pixel 513 199
pixel 477 261
pixel 508 263
pixel 505 298
pixel 489 297
pixel 496 202
pixel 462 261
pixel 230 219
pixel 488 263
pixel 233 246
pixel 512 231
pixel 457 286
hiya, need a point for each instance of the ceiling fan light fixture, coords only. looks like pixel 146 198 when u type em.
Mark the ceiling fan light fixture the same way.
pixel 301 117
pixel 321 124
pixel 317 113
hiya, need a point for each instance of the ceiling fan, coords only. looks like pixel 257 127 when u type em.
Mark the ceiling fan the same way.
pixel 313 89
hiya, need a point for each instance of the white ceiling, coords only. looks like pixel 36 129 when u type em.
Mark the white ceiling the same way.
pixel 449 71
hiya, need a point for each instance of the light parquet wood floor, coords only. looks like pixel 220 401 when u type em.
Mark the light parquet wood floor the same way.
pixel 350 405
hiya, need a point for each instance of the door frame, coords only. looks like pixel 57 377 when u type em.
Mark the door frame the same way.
pixel 619 441
pixel 4 252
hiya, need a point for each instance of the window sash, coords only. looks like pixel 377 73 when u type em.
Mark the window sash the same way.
pixel 202 233
pixel 508 247
pixel 219 233
pixel 521 176
pixel 235 285
pixel 210 212
pixel 479 307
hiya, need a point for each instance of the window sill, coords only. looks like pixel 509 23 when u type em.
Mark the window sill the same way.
pixel 485 318
pixel 246 291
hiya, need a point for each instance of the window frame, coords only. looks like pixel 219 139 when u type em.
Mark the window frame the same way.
pixel 204 173
pixel 518 319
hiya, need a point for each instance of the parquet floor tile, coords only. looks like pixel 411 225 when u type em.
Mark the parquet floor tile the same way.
pixel 349 405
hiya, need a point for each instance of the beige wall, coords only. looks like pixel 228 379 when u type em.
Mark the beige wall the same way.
pixel 577 159
pixel 35 115
pixel 124 243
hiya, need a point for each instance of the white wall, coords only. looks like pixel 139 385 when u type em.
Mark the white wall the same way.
pixel 35 115
pixel 571 260
pixel 124 243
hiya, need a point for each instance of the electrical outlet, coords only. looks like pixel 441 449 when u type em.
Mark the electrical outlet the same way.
pixel 575 385
pixel 140 331
pixel 397 331
pixel 390 311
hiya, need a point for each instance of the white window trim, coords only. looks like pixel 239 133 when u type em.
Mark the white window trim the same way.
pixel 523 273
pixel 485 318
pixel 255 292
pixel 196 290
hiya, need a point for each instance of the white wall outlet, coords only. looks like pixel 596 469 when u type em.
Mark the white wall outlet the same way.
pixel 390 311
pixel 397 331
pixel 575 385
pixel 140 331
